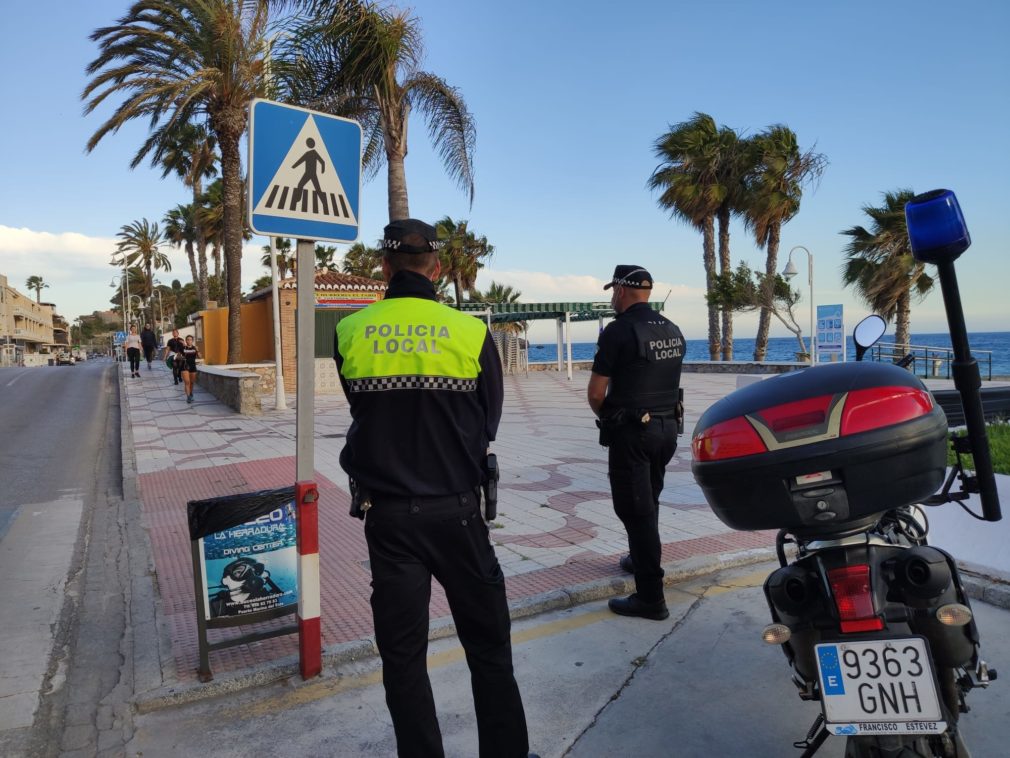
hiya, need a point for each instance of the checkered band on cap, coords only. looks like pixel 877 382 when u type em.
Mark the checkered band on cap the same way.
pixel 394 245
pixel 384 383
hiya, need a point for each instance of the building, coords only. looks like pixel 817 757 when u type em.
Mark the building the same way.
pixel 26 328
pixel 337 295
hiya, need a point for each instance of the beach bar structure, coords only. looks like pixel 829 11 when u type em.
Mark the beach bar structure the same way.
pixel 564 314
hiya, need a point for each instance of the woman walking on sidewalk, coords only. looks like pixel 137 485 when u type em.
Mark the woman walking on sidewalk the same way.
pixel 189 356
pixel 133 347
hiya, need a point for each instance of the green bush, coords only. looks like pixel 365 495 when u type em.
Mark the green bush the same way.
pixel 999 448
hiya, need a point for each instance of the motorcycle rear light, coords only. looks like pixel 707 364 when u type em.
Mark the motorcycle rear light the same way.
pixel 801 414
pixel 730 439
pixel 854 599
pixel 878 407
pixel 776 634
pixel 953 614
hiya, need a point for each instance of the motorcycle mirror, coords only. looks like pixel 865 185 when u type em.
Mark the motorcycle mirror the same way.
pixel 867 332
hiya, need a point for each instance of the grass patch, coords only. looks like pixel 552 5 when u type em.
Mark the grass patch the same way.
pixel 999 448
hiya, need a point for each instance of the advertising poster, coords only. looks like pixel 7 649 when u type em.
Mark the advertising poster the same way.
pixel 251 567
pixel 830 334
pixel 345 299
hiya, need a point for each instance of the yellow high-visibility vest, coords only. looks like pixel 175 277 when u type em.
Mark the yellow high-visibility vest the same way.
pixel 410 343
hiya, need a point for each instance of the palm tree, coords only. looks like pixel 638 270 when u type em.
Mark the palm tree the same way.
pixel 190 152
pixel 139 245
pixel 360 60
pixel 324 257
pixel 36 283
pixel 879 263
pixel 181 231
pixel 689 181
pixel 773 192
pixel 463 254
pixel 285 260
pixel 183 62
pixel 498 294
pixel 362 260
pixel 731 171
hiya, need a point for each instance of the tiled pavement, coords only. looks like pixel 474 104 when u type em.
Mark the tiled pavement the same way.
pixel 555 527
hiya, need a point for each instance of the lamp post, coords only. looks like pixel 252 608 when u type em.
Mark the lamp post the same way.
pixel 789 272
pixel 117 281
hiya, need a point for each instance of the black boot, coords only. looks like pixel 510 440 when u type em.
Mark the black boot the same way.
pixel 633 606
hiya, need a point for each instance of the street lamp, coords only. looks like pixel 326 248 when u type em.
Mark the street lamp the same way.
pixel 117 281
pixel 789 272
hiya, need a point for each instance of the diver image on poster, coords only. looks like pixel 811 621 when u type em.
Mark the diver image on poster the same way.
pixel 251 567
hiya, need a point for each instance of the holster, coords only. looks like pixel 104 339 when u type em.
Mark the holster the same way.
pixel 489 487
pixel 617 418
pixel 361 499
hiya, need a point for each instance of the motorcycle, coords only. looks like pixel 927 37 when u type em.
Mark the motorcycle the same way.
pixel 842 460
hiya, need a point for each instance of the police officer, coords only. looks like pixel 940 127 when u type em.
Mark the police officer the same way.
pixel 634 391
pixel 424 384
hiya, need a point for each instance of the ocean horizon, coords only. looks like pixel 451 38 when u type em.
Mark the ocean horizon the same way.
pixel 984 345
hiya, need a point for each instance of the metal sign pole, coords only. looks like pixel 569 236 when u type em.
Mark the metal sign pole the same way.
pixel 306 493
pixel 280 402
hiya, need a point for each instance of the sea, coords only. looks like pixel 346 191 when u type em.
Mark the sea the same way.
pixel 991 350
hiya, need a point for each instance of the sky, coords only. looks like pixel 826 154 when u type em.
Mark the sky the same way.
pixel 568 100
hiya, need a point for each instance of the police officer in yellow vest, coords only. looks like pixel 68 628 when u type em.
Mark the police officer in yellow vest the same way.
pixel 424 383
pixel 634 389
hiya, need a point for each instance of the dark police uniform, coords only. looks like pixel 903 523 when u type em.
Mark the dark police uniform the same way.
pixel 424 384
pixel 641 353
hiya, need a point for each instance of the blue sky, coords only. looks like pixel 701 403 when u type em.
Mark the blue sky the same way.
pixel 568 98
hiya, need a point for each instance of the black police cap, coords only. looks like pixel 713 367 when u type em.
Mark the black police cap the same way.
pixel 635 277
pixel 409 235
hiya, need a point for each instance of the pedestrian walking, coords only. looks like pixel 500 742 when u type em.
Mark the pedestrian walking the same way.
pixel 133 347
pixel 149 342
pixel 188 359
pixel 633 389
pixel 424 384
pixel 172 355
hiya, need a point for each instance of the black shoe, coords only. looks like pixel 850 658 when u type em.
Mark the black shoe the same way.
pixel 632 606
pixel 626 565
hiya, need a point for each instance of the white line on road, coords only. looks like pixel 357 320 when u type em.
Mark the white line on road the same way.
pixel 14 380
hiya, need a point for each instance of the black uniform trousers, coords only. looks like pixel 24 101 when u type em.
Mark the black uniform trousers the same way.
pixel 409 541
pixel 638 454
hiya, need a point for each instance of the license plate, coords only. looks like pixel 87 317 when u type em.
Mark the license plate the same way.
pixel 879 687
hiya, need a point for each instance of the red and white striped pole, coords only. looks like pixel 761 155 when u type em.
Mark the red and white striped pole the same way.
pixel 310 646
pixel 310 651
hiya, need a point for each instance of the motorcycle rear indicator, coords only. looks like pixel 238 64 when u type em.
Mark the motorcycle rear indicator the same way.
pixel 853 595
pixel 819 448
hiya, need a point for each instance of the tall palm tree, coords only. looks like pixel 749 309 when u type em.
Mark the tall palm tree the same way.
pixel 181 231
pixel 38 284
pixel 285 260
pixel 190 151
pixel 362 61
pixel 178 62
pixel 880 266
pixel 731 171
pixel 139 245
pixel 463 254
pixel 362 260
pixel 688 180
pixel 779 170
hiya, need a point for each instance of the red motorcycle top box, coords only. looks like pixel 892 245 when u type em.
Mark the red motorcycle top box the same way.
pixel 820 450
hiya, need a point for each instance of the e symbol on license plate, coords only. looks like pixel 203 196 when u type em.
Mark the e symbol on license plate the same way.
pixel 831 670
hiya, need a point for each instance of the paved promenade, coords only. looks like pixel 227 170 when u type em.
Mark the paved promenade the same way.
pixel 556 532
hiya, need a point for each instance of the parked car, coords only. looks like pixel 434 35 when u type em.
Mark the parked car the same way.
pixel 64 359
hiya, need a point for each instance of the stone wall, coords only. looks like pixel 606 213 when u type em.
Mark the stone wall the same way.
pixel 237 389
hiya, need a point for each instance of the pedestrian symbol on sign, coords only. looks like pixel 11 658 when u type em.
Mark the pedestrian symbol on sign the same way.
pixel 288 196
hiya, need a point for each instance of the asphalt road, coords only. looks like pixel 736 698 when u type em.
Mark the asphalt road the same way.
pixel 49 416
pixel 699 685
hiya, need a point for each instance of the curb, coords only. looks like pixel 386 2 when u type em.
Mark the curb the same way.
pixel 357 650
pixel 990 590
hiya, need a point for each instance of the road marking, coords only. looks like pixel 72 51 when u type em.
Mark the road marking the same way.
pixel 14 380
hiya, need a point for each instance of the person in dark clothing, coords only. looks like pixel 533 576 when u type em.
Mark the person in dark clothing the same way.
pixel 173 348
pixel 425 388
pixel 189 355
pixel 633 390
pixel 149 341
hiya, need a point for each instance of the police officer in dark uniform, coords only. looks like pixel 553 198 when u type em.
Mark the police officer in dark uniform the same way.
pixel 634 391
pixel 424 383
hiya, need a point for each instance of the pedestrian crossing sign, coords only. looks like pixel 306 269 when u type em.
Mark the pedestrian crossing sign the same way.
pixel 304 173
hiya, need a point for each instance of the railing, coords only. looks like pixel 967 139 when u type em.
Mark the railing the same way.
pixel 926 361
